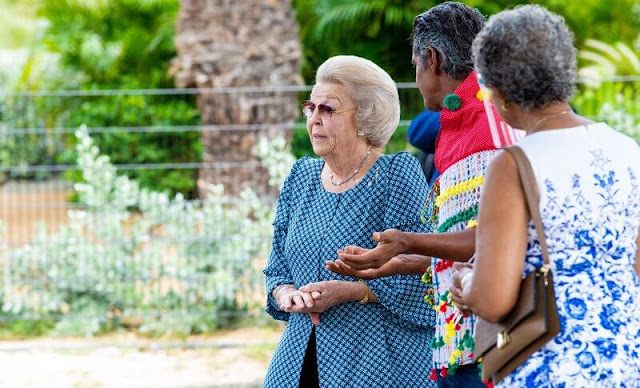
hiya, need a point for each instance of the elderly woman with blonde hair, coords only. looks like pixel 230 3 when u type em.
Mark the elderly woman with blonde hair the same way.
pixel 342 331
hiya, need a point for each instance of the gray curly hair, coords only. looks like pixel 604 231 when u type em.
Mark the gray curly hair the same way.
pixel 448 28
pixel 528 55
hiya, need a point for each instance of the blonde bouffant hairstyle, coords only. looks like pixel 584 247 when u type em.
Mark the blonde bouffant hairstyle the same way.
pixel 373 90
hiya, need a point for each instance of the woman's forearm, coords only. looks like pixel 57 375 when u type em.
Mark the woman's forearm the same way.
pixel 280 288
pixel 456 246
pixel 356 292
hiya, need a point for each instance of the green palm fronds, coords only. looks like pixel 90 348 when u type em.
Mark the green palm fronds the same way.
pixel 338 19
pixel 602 60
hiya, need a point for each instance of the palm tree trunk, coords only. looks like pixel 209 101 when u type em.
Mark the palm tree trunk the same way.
pixel 231 43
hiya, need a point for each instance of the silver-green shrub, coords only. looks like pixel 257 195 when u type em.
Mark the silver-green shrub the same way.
pixel 129 254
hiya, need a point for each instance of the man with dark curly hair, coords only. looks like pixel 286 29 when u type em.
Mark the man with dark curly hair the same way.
pixel 442 39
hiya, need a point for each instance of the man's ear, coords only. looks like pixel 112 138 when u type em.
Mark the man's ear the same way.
pixel 498 98
pixel 433 61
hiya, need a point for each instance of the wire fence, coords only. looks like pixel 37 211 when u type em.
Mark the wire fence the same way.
pixel 131 253
pixel 230 90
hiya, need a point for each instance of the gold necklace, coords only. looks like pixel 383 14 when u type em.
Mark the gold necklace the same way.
pixel 542 120
pixel 355 172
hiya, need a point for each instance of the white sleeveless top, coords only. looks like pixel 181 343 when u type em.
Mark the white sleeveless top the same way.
pixel 589 182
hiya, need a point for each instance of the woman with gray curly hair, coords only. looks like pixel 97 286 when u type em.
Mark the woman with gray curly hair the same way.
pixel 588 177
pixel 342 332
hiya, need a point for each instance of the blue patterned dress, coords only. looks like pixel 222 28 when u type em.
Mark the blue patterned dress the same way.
pixel 382 344
pixel 590 205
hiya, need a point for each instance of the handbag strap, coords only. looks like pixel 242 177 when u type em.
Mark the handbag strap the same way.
pixel 528 181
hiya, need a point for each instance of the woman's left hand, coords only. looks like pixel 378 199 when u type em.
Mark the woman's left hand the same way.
pixel 463 271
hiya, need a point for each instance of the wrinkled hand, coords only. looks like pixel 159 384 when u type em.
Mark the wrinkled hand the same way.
pixel 290 299
pixel 325 295
pixel 398 265
pixel 457 287
pixel 391 243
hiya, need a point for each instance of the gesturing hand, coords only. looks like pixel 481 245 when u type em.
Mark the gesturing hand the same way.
pixel 461 276
pixel 398 265
pixel 391 243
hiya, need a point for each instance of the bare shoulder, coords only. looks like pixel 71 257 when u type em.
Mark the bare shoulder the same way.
pixel 502 168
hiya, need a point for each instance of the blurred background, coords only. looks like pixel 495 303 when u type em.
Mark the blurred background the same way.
pixel 142 147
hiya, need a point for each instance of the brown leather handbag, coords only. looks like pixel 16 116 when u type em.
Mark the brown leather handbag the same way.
pixel 534 320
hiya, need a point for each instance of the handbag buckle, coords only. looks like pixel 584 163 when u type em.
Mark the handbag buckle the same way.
pixel 545 269
pixel 503 339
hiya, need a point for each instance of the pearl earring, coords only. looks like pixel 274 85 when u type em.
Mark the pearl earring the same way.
pixel 360 133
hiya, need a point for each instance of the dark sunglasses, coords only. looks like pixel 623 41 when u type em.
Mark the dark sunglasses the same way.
pixel 325 111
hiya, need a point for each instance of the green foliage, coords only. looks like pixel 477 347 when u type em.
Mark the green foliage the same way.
pixel 115 39
pixel 604 20
pixel 380 29
pixel 366 17
pixel 603 60
pixel 169 266
pixel 141 147
pixel 610 21
pixel 377 30
pixel 24 328
pixel 301 144
pixel 126 44
pixel 616 103
pixel 180 324
pixel 17 21
pixel 33 69
pixel 398 141
pixel 606 99
pixel 77 325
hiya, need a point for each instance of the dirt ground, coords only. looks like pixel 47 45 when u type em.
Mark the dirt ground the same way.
pixel 236 358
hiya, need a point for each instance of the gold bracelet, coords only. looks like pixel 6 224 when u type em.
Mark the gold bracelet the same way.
pixel 365 297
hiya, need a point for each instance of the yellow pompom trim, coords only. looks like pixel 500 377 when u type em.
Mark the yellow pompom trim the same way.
pixel 459 188
pixel 472 224
pixel 450 333
pixel 480 95
pixel 456 355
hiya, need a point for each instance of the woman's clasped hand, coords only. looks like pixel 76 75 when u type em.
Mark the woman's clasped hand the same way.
pixel 315 298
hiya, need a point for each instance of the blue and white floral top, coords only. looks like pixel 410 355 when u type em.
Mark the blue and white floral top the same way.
pixel 588 178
